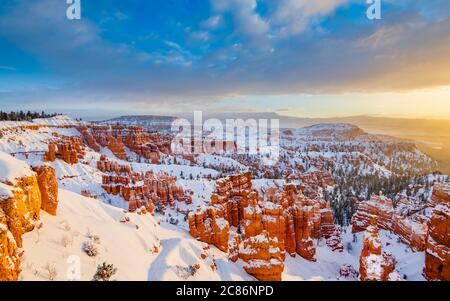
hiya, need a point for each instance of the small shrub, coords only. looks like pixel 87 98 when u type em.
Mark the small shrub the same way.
pixel 104 272
pixel 90 248
pixel 51 272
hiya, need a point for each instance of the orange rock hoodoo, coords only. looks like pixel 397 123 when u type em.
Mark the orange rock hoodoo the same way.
pixel 48 186
pixel 375 265
pixel 69 149
pixel 437 254
pixel 287 218
pixel 263 256
pixel 138 189
pixel 207 227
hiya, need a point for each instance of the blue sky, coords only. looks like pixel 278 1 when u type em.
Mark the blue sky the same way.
pixel 298 57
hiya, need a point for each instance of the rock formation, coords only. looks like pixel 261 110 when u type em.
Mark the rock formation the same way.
pixel 48 186
pixel 22 209
pixel 375 265
pixel 304 231
pixel 139 189
pixel 378 208
pixel 412 229
pixel 117 137
pixel 437 254
pixel 69 149
pixel 281 220
pixel 205 226
pixel 441 194
pixel 263 256
pixel 20 204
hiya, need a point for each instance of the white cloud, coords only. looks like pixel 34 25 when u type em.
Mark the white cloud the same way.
pixel 212 22
pixel 247 21
pixel 294 16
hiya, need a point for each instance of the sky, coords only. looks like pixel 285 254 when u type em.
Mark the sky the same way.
pixel 321 58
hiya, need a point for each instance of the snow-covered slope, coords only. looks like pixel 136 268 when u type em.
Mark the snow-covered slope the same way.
pixel 140 248
pixel 12 169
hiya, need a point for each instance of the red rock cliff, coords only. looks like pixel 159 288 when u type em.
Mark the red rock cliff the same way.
pixel 375 265
pixel 437 254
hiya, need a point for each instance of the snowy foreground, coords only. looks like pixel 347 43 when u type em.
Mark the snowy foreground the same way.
pixel 53 250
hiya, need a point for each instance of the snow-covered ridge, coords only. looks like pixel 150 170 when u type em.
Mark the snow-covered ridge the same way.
pixel 60 120
pixel 12 169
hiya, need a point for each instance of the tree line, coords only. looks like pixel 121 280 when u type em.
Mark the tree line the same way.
pixel 24 116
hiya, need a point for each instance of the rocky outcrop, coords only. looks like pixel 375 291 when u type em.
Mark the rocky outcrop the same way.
pixel 139 189
pixel 441 194
pixel 379 209
pixel 89 138
pixel 205 226
pixel 263 256
pixel 48 186
pixel 437 254
pixel 411 228
pixel 69 149
pixel 19 209
pixel 117 137
pixel 317 179
pixel 411 231
pixel 9 257
pixel 375 265
pixel 304 231
pixel 22 209
pixel 285 214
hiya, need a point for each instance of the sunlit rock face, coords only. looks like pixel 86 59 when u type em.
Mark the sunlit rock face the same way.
pixel 9 259
pixel 205 226
pixel 437 254
pixel 20 204
pixel 48 186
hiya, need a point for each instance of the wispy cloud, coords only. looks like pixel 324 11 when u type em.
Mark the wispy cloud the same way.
pixel 234 47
